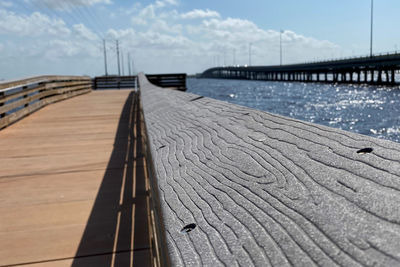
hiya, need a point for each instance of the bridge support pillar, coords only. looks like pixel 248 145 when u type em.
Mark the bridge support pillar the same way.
pixel 393 79
pixel 372 76
pixel 379 77
pixel 388 77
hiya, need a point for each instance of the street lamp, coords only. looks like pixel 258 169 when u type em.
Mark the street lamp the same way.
pixel 372 21
pixel 280 45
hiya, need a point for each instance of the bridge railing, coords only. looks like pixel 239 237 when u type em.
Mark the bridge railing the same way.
pixel 365 56
pixel 22 97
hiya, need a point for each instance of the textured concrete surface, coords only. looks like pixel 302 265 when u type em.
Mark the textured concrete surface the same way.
pixel 72 188
pixel 268 190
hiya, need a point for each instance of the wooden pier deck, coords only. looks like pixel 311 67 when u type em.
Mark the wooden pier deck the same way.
pixel 72 185
pixel 167 178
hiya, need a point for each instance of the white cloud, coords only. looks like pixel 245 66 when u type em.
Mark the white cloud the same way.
pixel 133 9
pixel 35 24
pixel 68 4
pixel 199 13
pixel 148 13
pixel 6 4
pixel 145 15
pixel 171 2
pixel 82 31
pixel 161 40
pixel 1 47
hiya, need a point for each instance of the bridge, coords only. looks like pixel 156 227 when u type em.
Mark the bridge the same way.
pixel 159 177
pixel 378 69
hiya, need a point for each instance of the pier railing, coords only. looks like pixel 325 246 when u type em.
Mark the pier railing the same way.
pixel 114 82
pixel 175 81
pixel 236 186
pixel 23 97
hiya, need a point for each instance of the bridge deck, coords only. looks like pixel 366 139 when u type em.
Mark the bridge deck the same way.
pixel 72 187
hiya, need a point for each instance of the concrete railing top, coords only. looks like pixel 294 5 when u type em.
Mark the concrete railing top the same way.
pixel 238 186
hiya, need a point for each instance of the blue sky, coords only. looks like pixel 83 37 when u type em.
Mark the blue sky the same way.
pixel 65 36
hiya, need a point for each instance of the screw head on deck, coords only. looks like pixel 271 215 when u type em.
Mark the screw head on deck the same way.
pixel 188 228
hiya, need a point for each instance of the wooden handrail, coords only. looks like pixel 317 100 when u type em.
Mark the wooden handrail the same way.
pixel 20 98
pixel 13 84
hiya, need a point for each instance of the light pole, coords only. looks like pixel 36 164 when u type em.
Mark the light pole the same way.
pixel 119 66
pixel 129 64
pixel 280 45
pixel 372 22
pixel 122 63
pixel 105 57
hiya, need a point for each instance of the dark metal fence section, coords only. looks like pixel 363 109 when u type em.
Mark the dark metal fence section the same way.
pixel 171 81
pixel 114 82
pixel 176 81
pixel 373 70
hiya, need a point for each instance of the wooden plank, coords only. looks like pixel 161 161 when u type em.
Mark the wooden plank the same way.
pixel 72 188
pixel 1 104
pixel 7 85
pixel 11 118
pixel 53 85
pixel 40 95
pixel 4 98
pixel 45 85
pixel 263 189
pixel 71 89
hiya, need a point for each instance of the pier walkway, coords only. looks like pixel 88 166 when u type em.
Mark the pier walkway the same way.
pixel 167 178
pixel 72 185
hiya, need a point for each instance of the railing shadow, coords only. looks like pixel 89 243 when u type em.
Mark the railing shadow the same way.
pixel 117 232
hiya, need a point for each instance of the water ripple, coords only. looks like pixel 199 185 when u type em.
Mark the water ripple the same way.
pixel 369 110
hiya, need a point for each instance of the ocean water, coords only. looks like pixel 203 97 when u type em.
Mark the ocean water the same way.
pixel 364 109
